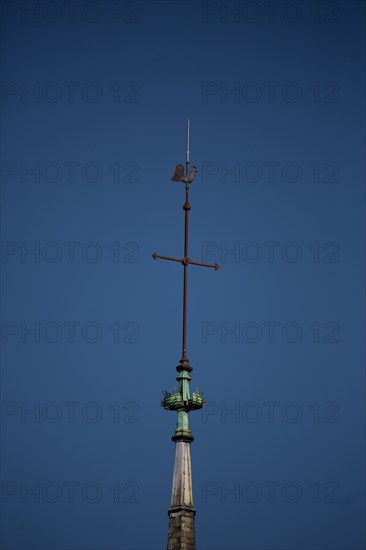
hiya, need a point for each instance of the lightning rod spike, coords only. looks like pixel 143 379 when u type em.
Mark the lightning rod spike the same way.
pixel 188 145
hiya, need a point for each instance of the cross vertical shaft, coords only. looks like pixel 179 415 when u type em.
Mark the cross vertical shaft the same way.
pixel 187 208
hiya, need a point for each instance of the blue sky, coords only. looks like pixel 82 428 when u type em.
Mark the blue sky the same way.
pixel 94 105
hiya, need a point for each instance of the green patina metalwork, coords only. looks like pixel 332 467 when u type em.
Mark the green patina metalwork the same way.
pixel 183 402
pixel 184 379
pixel 175 401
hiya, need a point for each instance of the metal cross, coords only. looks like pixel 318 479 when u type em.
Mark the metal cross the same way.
pixel 185 261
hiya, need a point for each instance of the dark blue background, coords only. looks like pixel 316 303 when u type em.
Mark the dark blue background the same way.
pixel 160 56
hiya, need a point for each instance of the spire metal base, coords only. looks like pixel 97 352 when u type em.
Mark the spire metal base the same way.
pixel 181 532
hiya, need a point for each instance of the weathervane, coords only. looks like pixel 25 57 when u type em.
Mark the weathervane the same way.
pixel 186 178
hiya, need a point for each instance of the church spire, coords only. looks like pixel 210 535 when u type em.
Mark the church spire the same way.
pixel 181 532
